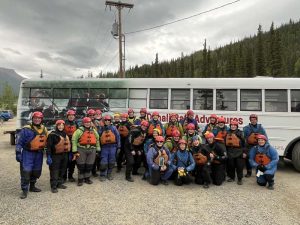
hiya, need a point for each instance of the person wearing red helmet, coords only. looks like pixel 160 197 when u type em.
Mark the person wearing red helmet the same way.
pixel 58 148
pixel 134 147
pixel 143 116
pixel 264 158
pixel 98 122
pixel 131 116
pixel 110 144
pixel 124 129
pixel 189 118
pixel 213 119
pixel 172 142
pixel 159 162
pixel 251 131
pixel 172 125
pixel 218 158
pixel 220 130
pixel 85 146
pixel 155 123
pixel 31 142
pixel 70 126
pixel 182 163
pixel 190 133
pixel 235 144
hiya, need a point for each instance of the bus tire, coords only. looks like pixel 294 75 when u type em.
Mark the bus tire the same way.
pixel 296 156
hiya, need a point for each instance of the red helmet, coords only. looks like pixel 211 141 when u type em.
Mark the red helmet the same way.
pixel 176 133
pixel 174 115
pixel 38 114
pixel 124 115
pixel 190 126
pixel 209 135
pixel 213 116
pixel 71 112
pixel 91 112
pixel 98 112
pixel 261 136
pixel 182 141
pixel 107 117
pixel 130 110
pixel 159 139
pixel 234 122
pixel 190 112
pixel 221 119
pixel 143 110
pixel 155 113
pixel 86 120
pixel 59 122
pixel 145 123
pixel 253 116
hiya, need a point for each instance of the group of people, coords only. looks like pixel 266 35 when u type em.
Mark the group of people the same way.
pixel 177 150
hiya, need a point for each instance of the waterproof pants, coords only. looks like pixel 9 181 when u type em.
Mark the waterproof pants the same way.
pixel 202 174
pixel 30 168
pixel 85 162
pixel 70 167
pixel 108 159
pixel 58 169
pixel 180 180
pixel 235 165
pixel 157 175
pixel 262 180
pixel 217 173
pixel 133 162
pixel 120 156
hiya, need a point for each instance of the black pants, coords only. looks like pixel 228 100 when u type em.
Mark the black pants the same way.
pixel 217 173
pixel 58 169
pixel 235 165
pixel 120 156
pixel 202 174
pixel 182 180
pixel 96 165
pixel 133 162
pixel 247 163
pixel 70 167
pixel 268 178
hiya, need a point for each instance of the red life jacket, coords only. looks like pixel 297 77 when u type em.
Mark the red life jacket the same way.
pixel 152 127
pixel 170 129
pixel 232 140
pixel 70 129
pixel 221 136
pixel 88 138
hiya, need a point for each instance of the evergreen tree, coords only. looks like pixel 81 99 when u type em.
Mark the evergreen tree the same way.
pixel 260 61
pixel 275 52
pixel 182 66
pixel 156 70
pixel 204 60
pixel 192 66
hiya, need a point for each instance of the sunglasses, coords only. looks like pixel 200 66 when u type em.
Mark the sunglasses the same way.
pixel 107 120
pixel 159 142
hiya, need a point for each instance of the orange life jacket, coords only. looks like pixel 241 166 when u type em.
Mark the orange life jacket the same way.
pixel 88 138
pixel 70 129
pixel 199 158
pixel 152 127
pixel 221 136
pixel 170 130
pixel 262 159
pixel 123 130
pixel 232 140
pixel 107 137
pixel 161 155
pixel 39 142
pixel 63 145
pixel 252 139
pixel 139 140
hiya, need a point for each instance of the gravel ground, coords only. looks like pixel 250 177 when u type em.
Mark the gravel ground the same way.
pixel 121 202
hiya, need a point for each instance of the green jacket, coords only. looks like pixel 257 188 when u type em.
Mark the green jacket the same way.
pixel 76 136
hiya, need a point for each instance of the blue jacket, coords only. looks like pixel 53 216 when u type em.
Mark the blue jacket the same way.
pixel 249 129
pixel 152 154
pixel 183 159
pixel 217 129
pixel 270 152
pixel 148 144
pixel 115 132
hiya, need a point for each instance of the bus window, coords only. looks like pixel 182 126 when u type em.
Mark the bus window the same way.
pixel 40 99
pixel 79 101
pixel 203 99
pixel 180 99
pixel 226 100
pixel 137 98
pixel 61 98
pixel 158 99
pixel 99 99
pixel 295 100
pixel 117 98
pixel 251 100
pixel 25 96
pixel 276 100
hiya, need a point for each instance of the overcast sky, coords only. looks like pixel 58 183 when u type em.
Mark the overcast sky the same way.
pixel 72 37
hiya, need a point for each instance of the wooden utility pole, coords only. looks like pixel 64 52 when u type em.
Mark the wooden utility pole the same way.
pixel 120 5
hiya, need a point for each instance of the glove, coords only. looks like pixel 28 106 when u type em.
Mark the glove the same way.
pixel 19 157
pixel 70 156
pixel 262 168
pixel 49 160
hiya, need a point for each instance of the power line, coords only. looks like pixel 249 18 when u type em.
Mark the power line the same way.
pixel 114 56
pixel 179 20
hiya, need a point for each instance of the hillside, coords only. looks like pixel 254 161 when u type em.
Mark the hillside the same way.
pixel 10 77
pixel 275 52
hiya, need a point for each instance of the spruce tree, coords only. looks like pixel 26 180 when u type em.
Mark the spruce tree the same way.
pixel 260 61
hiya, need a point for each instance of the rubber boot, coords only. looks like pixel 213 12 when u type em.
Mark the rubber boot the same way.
pixel 23 194
pixel 33 188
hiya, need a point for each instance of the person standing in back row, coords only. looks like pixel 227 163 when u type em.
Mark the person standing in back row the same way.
pixel 251 131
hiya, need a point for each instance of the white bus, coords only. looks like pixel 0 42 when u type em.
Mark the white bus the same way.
pixel 276 101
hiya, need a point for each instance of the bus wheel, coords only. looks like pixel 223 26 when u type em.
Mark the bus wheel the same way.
pixel 296 156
